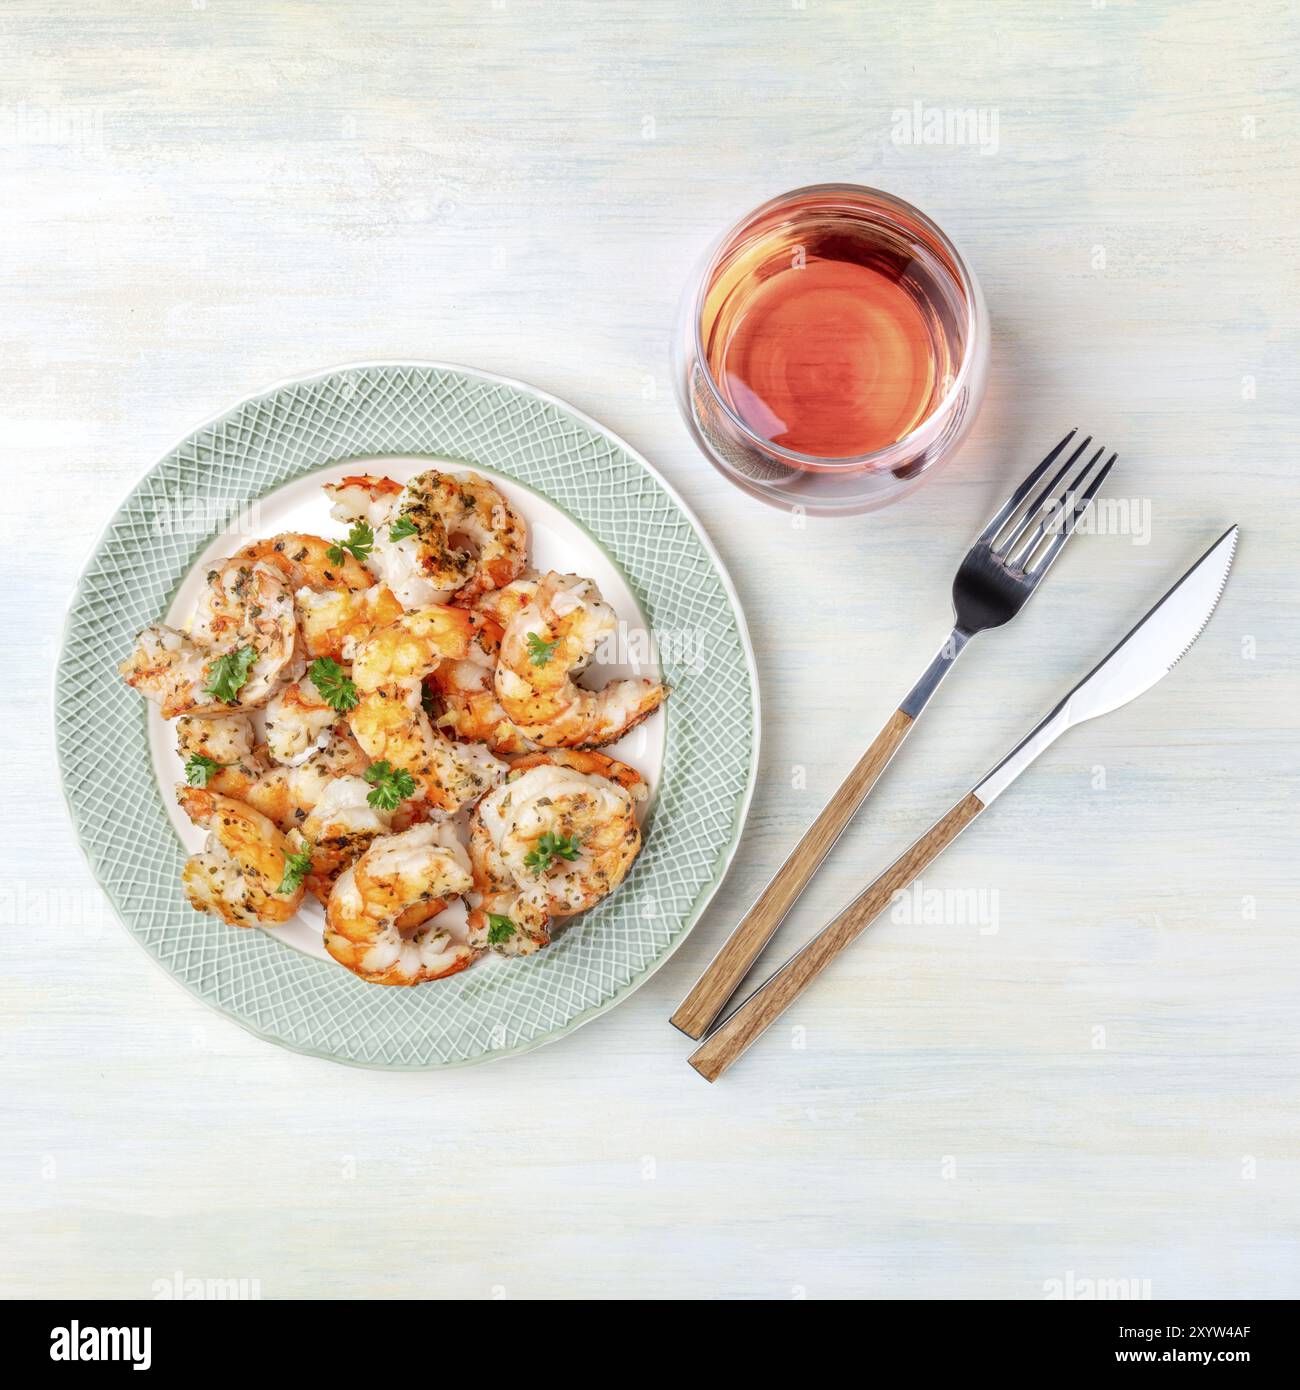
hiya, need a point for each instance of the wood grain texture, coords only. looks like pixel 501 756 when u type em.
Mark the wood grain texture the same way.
pixel 775 995
pixel 722 977
pixel 1075 1050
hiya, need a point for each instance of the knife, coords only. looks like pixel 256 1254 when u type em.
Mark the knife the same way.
pixel 1145 656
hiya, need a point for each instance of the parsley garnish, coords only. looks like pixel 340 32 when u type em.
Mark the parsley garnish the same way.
pixel 295 870
pixel 228 674
pixel 199 769
pixel 392 785
pixel 551 847
pixel 336 687
pixel 360 541
pixel 500 928
pixel 539 652
pixel 401 528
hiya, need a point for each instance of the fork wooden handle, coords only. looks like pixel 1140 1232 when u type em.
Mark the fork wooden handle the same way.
pixel 773 997
pixel 730 966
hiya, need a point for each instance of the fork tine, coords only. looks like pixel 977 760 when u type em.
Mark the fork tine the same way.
pixel 1045 561
pixel 1051 508
pixel 1031 511
pixel 1018 496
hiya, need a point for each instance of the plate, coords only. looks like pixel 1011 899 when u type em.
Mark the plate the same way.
pixel 593 506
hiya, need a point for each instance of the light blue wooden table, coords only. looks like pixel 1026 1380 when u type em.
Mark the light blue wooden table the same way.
pixel 1094 1076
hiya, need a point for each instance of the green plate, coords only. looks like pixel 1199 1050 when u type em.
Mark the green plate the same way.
pixel 412 409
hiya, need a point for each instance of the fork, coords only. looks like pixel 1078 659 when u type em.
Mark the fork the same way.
pixel 1007 563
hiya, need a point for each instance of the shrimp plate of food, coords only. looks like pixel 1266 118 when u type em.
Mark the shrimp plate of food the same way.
pixel 430 647
pixel 411 723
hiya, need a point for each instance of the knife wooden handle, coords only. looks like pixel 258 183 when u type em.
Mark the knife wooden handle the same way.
pixel 730 966
pixel 779 991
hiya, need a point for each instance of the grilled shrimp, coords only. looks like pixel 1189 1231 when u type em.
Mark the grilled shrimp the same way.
pixel 555 838
pixel 296 718
pixel 377 920
pixel 458 537
pixel 227 740
pixel 391 725
pixel 466 692
pixel 412 646
pixel 287 795
pixel 449 507
pixel 340 828
pixel 390 722
pixel 502 604
pixel 334 621
pixel 243 609
pixel 588 762
pixel 246 606
pixel 376 501
pixel 238 875
pixel 305 562
pixel 165 666
pixel 365 497
pixel 545 642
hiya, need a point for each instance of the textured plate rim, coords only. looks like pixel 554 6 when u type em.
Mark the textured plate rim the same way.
pixel 725 859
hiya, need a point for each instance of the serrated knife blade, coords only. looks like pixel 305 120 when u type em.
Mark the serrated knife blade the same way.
pixel 1149 652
